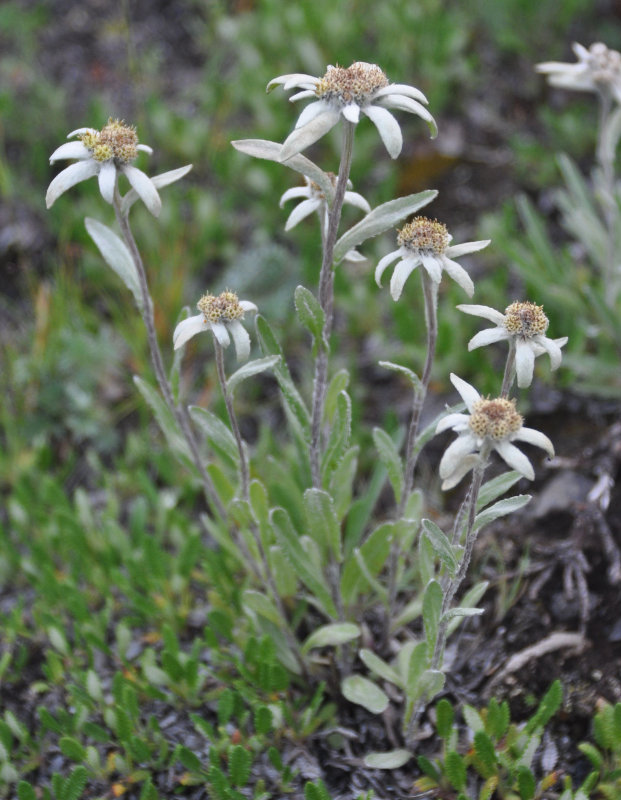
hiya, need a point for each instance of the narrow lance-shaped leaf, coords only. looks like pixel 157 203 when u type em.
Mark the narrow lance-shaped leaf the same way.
pixel 164 417
pixel 497 486
pixel 390 458
pixel 500 509
pixel 411 376
pixel 218 434
pixel 440 543
pixel 323 525
pixel 380 667
pixel 289 540
pixel 250 369
pixel 309 312
pixel 261 148
pixel 381 219
pixel 116 255
pixel 339 437
pixel 432 606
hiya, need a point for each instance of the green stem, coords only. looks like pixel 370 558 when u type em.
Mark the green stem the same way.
pixel 326 300
pixel 180 413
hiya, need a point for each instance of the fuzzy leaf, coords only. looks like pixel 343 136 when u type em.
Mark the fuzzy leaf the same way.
pixel 432 605
pixel 473 719
pixel 217 433
pixel 390 458
pixel 116 255
pixel 497 486
pixel 331 635
pixel 393 759
pixel 340 435
pixel 472 596
pixel 460 611
pixel 440 543
pixel 411 376
pixel 260 603
pixel 71 748
pixel 164 417
pixel 323 525
pixel 338 382
pixel 500 509
pixel 381 219
pixel 289 541
pixel 295 408
pixel 416 665
pixel 261 148
pixel 249 369
pixel 309 312
pixel 380 667
pixel 364 693
pixel 374 551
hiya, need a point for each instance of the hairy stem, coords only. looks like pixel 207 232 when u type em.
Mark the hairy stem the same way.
pixel 430 293
pixel 326 300
pixel 230 410
pixel 180 413
pixel 451 587
pixel 509 375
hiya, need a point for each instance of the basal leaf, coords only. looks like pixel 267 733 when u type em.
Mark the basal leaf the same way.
pixel 365 693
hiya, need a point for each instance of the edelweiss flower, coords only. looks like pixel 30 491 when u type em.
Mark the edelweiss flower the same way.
pixel 525 324
pixel 315 200
pixel 104 153
pixel 424 242
pixel 348 91
pixel 598 69
pixel 491 425
pixel 221 315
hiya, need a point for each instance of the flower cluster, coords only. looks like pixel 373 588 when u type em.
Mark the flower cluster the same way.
pixel 598 70
pixel 104 153
pixel 222 315
pixel 427 242
pixel 348 92
pixel 492 424
pixel 524 324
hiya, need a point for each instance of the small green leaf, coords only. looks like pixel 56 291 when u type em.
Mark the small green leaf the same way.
pixel 497 486
pixel 592 753
pixel 486 755
pixel 309 312
pixel 548 706
pixel 249 370
pixel 440 543
pixel 374 551
pixel 188 759
pixel 322 523
pixel 71 748
pixel 331 635
pixel 455 769
pixel 164 417
pixel 263 720
pixel 25 791
pixel 393 759
pixel 259 603
pixel 116 255
pixel 365 693
pixel 473 719
pixel 461 612
pixel 390 458
pixel 338 383
pixel 380 667
pixel 339 437
pixel 444 719
pixel 289 541
pixel 380 219
pixel 500 509
pixel 411 376
pixel 472 596
pixel 74 784
pixel 240 762
pixel 415 668
pixel 432 606
pixel 526 783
